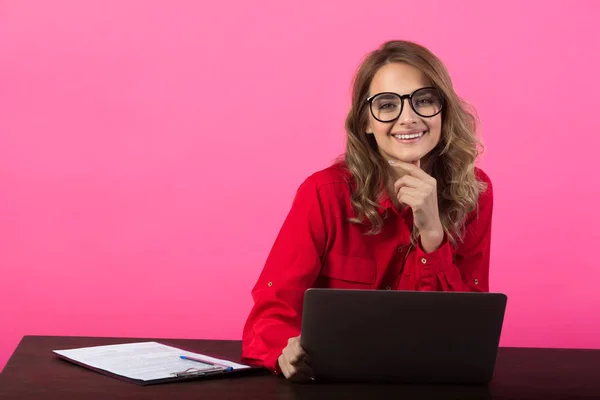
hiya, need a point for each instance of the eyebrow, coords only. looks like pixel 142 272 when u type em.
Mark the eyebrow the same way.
pixel 391 91
pixel 387 94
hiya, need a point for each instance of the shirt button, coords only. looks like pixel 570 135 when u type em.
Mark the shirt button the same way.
pixel 424 260
pixel 399 249
pixel 270 284
pixel 476 281
pixel 388 288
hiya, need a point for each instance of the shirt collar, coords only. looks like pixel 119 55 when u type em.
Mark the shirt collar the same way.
pixel 385 202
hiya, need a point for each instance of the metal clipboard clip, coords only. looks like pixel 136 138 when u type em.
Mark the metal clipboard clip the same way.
pixel 199 372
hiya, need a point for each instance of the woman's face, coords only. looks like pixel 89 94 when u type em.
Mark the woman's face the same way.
pixel 410 136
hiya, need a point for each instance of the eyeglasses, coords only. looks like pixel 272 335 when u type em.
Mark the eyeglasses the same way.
pixel 427 102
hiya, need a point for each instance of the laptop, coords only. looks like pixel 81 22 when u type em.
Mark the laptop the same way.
pixel 402 336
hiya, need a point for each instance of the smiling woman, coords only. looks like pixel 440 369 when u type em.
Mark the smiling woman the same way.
pixel 404 209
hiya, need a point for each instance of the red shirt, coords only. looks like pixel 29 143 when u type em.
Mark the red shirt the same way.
pixel 318 247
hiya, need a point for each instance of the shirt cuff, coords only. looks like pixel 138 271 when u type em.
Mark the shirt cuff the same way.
pixel 270 362
pixel 436 261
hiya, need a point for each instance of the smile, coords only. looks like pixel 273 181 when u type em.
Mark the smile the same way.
pixel 410 136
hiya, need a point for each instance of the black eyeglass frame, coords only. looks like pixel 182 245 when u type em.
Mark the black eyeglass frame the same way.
pixel 409 97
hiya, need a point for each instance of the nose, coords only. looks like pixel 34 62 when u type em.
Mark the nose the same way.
pixel 408 115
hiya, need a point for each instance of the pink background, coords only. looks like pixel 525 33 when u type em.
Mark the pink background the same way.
pixel 149 151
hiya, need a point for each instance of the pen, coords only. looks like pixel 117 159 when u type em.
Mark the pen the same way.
pixel 225 368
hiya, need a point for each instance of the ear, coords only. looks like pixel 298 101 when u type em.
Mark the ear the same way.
pixel 369 130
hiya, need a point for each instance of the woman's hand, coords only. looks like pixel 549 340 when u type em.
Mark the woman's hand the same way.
pixel 293 362
pixel 418 190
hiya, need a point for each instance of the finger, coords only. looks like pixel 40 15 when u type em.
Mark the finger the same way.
pixel 408 191
pixel 296 374
pixel 411 169
pixel 302 373
pixel 293 351
pixel 290 356
pixel 285 369
pixel 293 355
pixel 305 369
pixel 294 342
pixel 411 201
pixel 410 181
pixel 298 350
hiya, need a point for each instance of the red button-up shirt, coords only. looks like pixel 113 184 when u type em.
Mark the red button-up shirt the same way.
pixel 318 247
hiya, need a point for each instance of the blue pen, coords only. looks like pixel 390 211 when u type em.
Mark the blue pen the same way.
pixel 226 368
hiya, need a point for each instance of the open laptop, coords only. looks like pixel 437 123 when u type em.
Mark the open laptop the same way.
pixel 402 336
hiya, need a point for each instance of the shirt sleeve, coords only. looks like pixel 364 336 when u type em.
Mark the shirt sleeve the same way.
pixel 291 268
pixel 465 269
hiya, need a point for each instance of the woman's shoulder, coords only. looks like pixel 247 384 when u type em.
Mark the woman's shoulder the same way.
pixel 482 176
pixel 335 174
pixel 329 187
pixel 485 200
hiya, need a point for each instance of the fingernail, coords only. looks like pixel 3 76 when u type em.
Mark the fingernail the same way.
pixel 391 161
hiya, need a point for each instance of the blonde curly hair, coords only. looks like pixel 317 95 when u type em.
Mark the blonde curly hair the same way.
pixel 451 162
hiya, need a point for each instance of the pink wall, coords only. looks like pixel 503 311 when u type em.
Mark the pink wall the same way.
pixel 149 151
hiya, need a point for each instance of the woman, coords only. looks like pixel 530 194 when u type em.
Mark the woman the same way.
pixel 404 209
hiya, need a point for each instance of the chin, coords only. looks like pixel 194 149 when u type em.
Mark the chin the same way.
pixel 409 158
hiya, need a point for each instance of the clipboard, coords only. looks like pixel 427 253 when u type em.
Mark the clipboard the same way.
pixel 127 362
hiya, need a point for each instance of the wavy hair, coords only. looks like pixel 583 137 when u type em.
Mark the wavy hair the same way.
pixel 451 162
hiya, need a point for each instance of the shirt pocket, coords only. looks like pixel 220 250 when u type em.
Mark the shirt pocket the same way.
pixel 349 272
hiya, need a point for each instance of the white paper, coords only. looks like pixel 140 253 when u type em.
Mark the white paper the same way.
pixel 144 361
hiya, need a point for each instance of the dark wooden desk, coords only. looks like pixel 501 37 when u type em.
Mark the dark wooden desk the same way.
pixel 34 372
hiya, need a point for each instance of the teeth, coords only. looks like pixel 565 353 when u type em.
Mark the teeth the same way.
pixel 413 136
